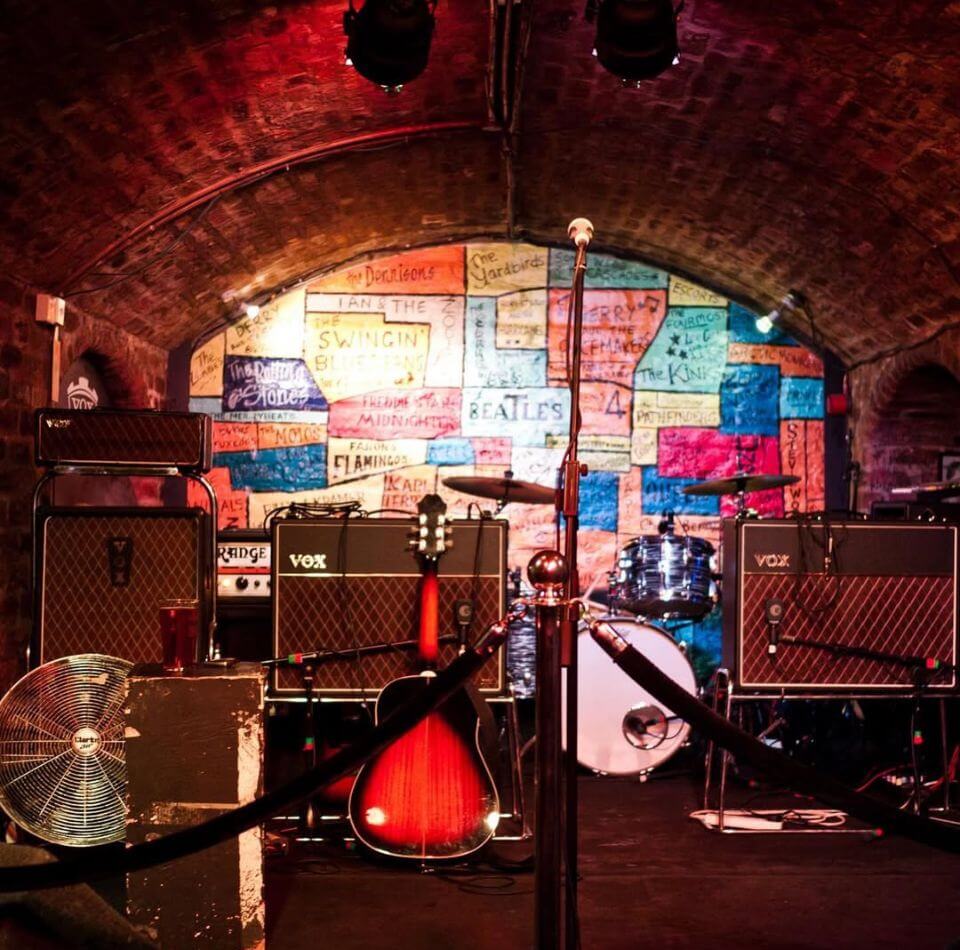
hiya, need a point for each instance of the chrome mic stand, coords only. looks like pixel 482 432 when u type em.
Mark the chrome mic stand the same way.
pixel 554 576
pixel 581 232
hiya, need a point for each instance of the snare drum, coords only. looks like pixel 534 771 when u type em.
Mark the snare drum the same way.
pixel 662 575
pixel 621 728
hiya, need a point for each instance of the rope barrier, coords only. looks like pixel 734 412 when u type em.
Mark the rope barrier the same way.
pixel 178 844
pixel 795 775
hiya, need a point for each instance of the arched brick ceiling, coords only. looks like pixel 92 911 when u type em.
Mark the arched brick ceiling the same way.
pixel 808 145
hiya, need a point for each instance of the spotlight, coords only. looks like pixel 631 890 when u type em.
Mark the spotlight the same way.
pixel 636 39
pixel 791 301
pixel 388 41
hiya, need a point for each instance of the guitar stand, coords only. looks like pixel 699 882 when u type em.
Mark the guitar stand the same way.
pixel 509 738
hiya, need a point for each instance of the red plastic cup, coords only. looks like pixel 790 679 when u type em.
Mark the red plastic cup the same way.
pixel 179 625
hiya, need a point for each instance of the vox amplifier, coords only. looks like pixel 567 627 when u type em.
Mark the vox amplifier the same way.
pixel 102 573
pixel 344 584
pixel 807 602
pixel 123 437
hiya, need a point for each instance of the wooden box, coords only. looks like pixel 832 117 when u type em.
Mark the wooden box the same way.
pixel 195 750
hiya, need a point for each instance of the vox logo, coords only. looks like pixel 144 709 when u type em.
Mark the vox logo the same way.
pixel 772 560
pixel 309 561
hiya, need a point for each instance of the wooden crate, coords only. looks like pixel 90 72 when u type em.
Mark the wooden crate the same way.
pixel 195 750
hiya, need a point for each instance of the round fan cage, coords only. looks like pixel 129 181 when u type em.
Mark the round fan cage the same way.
pixel 63 773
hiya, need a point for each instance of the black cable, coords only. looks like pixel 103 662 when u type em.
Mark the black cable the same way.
pixel 780 767
pixel 121 277
pixel 178 844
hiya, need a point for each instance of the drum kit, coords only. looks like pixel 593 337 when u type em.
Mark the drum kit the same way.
pixel 660 577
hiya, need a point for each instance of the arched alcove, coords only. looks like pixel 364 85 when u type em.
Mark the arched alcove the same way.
pixel 373 383
pixel 909 430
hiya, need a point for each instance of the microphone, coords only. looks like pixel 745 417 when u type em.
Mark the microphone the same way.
pixel 580 232
pixel 773 611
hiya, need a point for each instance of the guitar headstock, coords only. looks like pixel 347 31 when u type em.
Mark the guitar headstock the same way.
pixel 432 535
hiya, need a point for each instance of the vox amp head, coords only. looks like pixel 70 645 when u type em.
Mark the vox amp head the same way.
pixel 123 437
pixel 829 607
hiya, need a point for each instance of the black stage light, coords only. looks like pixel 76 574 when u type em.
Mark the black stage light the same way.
pixel 636 39
pixel 388 41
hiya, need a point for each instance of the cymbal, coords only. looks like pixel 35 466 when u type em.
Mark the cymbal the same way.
pixel 505 490
pixel 740 482
pixel 931 488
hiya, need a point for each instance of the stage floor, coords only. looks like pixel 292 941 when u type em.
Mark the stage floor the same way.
pixel 651 877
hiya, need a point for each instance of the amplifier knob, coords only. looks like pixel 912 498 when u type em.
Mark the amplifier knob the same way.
pixel 242 583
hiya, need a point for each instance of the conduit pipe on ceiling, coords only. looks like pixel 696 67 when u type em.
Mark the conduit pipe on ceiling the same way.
pixel 254 173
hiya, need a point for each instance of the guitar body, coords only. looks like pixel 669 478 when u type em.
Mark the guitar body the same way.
pixel 430 794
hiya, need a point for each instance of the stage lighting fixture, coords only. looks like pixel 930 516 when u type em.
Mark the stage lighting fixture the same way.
pixel 388 41
pixel 791 301
pixel 636 39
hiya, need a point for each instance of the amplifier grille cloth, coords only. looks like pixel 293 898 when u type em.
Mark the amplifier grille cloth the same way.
pixel 905 615
pixel 338 614
pixel 136 437
pixel 84 613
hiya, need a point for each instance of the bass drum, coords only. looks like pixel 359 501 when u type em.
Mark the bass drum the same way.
pixel 621 728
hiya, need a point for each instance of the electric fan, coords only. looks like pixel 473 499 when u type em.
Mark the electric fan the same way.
pixel 63 773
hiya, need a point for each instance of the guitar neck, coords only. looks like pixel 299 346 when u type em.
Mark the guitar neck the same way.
pixel 428 638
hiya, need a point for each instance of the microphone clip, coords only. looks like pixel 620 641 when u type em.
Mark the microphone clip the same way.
pixel 773 610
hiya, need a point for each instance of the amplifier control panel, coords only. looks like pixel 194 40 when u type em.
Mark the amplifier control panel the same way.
pixel 243 565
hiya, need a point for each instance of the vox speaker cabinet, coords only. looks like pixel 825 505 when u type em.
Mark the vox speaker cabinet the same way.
pixel 123 437
pixel 884 586
pixel 344 583
pixel 101 574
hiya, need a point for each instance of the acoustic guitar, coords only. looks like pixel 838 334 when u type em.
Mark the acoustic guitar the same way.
pixel 430 794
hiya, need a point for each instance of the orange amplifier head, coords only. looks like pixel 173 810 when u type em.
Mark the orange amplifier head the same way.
pixel 243 565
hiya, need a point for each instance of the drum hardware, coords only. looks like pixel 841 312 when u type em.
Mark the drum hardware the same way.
pixel 645 727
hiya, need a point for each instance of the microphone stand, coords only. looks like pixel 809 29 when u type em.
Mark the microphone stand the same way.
pixel 581 231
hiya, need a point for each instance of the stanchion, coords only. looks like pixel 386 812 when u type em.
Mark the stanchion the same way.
pixel 547 572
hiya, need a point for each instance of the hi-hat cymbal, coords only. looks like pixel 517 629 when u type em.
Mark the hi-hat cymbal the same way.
pixel 505 490
pixel 740 482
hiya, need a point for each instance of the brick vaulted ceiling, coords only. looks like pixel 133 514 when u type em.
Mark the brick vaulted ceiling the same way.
pixel 218 149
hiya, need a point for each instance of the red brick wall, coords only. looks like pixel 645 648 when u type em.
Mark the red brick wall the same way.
pixel 906 412
pixel 136 375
